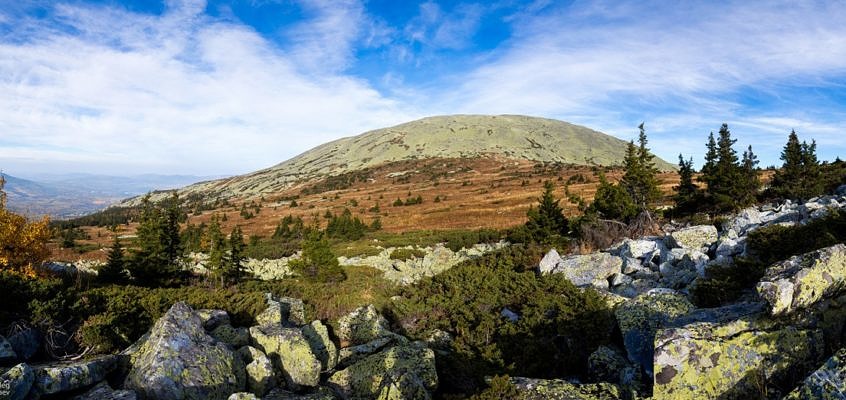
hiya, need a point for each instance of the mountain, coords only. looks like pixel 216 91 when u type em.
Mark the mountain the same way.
pixel 69 195
pixel 452 136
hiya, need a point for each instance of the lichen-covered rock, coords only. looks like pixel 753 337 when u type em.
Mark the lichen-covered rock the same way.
pixel 589 269
pixel 283 311
pixel 402 386
pixel 16 382
pixel 730 247
pixel 66 376
pixel 559 389
pixel 737 359
pixel 6 352
pixel 641 318
pixel 212 318
pixel 25 343
pixel 826 383
pixel 801 281
pixel 320 393
pixel 261 377
pixel 179 360
pixel 366 378
pixel 102 391
pixel 290 352
pixel 321 344
pixel 362 325
pixel 607 364
pixel 353 354
pixel 637 248
pixel 242 396
pixel 694 237
pixel 235 337
pixel 549 261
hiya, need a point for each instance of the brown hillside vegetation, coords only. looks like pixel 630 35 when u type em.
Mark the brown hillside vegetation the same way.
pixel 489 192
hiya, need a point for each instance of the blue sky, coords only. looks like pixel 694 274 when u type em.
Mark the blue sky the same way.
pixel 223 87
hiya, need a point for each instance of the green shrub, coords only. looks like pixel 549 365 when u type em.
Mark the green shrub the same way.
pixel 405 254
pixel 775 243
pixel 559 324
pixel 725 284
pixel 499 388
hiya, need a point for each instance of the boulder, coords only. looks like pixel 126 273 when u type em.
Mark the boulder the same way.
pixel 213 318
pixel 589 269
pixel 559 389
pixel 549 261
pixel 63 377
pixel 362 325
pixel 801 281
pixel 608 364
pixel 321 344
pixel 242 396
pixel 745 221
pixel 640 319
pixel 729 247
pixel 235 337
pixel 827 382
pixel 290 352
pixel 637 248
pixel 7 353
pixel 25 343
pixel 179 360
pixel 261 377
pixel 321 393
pixel 16 382
pixel 102 391
pixel 283 310
pixel 694 237
pixel 737 359
pixel 353 354
pixel 404 369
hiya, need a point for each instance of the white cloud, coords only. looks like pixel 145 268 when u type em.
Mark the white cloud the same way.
pixel 177 92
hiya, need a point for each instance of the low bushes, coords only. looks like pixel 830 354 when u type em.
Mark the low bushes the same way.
pixel 405 254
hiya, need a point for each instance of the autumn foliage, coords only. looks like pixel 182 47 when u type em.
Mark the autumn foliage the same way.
pixel 23 244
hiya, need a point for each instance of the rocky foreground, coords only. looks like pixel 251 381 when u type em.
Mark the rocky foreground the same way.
pixel 789 329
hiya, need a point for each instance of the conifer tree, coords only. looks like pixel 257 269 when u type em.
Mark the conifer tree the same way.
pixel 750 183
pixel 639 179
pixel 215 244
pixel 800 175
pixel 547 220
pixel 232 269
pixel 318 263
pixel 612 201
pixel 112 272
pixel 154 263
pixel 725 178
pixel 686 191
pixel 711 157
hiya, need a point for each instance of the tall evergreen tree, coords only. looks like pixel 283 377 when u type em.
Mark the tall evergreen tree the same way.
pixel 640 177
pixel 725 182
pixel 233 268
pixel 215 244
pixel 318 263
pixel 152 263
pixel 800 175
pixel 711 158
pixel 547 220
pixel 112 272
pixel 686 191
pixel 612 201
pixel 750 183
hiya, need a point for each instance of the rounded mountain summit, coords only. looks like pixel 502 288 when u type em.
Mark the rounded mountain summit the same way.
pixel 450 136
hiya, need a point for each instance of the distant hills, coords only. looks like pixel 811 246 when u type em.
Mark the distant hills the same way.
pixel 64 196
pixel 451 136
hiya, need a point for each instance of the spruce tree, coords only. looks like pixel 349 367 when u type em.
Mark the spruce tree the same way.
pixel 112 272
pixel 215 244
pixel 750 183
pixel 686 191
pixel 233 269
pixel 812 184
pixel 318 263
pixel 800 175
pixel 547 221
pixel 725 183
pixel 612 201
pixel 711 157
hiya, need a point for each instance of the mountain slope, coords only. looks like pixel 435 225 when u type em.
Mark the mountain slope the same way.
pixel 453 136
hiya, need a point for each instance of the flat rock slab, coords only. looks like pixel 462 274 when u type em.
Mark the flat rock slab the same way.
pixel 589 269
pixel 694 237
pixel 399 369
pixel 63 377
pixel 16 382
pixel 802 281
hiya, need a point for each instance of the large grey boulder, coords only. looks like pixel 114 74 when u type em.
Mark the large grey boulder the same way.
pixel 353 354
pixel 801 281
pixel 827 382
pixel 179 360
pixel 290 352
pixel 549 261
pixel 589 269
pixel 283 311
pixel 321 344
pixel 637 248
pixel 694 237
pixel 16 382
pixel 261 376
pixel 640 319
pixel 362 325
pixel 63 377
pixel 102 391
pixel 738 359
pixel 399 371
